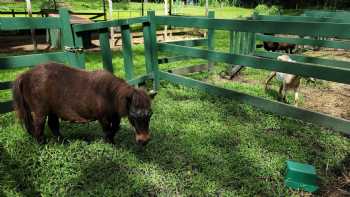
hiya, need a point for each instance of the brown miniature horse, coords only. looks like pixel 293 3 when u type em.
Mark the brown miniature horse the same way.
pixel 57 91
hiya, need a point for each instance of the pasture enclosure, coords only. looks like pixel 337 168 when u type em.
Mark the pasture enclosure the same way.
pixel 242 52
pixel 228 149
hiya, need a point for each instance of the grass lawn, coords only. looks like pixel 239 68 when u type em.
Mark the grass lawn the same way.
pixel 201 146
pixel 127 10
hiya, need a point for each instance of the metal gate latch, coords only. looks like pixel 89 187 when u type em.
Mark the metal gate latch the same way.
pixel 73 50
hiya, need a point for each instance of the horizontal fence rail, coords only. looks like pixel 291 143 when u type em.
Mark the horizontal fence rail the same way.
pixel 300 19
pixel 5 85
pixel 31 60
pixel 106 24
pixel 297 28
pixel 340 75
pixel 303 41
pixel 338 124
pixel 6 107
pixel 332 14
pixel 307 59
pixel 7 23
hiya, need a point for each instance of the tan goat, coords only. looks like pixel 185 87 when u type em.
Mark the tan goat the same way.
pixel 289 81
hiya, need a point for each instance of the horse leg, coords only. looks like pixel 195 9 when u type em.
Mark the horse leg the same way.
pixel 271 76
pixel 54 125
pixel 110 128
pixel 39 125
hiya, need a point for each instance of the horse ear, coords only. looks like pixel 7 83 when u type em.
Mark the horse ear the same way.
pixel 152 94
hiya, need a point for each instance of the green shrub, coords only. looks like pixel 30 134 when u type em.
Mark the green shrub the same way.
pixel 263 9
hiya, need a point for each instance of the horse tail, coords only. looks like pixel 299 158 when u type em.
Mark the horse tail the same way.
pixel 21 106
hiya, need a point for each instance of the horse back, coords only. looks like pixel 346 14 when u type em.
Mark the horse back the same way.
pixel 70 93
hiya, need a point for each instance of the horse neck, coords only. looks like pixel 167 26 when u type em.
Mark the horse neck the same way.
pixel 122 92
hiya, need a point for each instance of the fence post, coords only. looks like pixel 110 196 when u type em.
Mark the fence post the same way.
pixel 67 39
pixel 105 49
pixel 127 52
pixel 147 46
pixel 153 49
pixel 211 15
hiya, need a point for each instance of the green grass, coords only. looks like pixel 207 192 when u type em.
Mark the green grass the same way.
pixel 201 145
pixel 127 10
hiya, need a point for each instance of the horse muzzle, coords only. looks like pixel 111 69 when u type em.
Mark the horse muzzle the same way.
pixel 142 138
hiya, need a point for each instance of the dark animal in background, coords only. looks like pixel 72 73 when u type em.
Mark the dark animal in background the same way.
pixel 57 91
pixel 279 46
pixel 270 46
pixel 288 48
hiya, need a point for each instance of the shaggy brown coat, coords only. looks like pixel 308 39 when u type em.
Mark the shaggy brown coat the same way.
pixel 57 91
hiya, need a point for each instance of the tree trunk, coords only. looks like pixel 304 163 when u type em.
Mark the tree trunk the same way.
pixel 32 31
pixel 165 13
pixel 206 7
pixel 110 6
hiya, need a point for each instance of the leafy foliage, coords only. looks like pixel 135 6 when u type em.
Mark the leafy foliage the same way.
pixel 263 9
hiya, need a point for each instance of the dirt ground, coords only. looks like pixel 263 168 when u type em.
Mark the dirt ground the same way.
pixel 330 98
pixel 334 99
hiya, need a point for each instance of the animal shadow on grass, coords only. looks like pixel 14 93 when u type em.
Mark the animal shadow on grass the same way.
pixel 11 176
pixel 226 167
pixel 87 132
pixel 109 176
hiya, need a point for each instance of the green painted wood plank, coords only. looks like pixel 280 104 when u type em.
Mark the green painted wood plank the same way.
pixel 31 60
pixel 253 43
pixel 306 70
pixel 78 57
pixel 6 107
pixel 127 52
pixel 191 43
pixel 140 79
pixel 306 59
pixel 232 35
pixel 5 85
pixel 300 19
pixel 67 37
pixel 106 24
pixel 147 46
pixel 153 37
pixel 166 60
pixel 105 51
pixel 324 13
pixel 303 41
pixel 20 23
pixel 211 32
pixel 298 28
pixel 316 118
pixel 233 40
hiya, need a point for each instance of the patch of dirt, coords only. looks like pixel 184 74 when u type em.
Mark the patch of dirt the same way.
pixel 333 99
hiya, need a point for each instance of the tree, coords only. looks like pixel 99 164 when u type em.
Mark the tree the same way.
pixel 32 31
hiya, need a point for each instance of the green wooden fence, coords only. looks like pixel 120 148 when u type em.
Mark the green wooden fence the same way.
pixel 241 53
pixel 149 43
pixel 337 71
pixel 31 60
pixel 72 53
